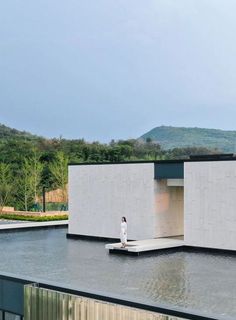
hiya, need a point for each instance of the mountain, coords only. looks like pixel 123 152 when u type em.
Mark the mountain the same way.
pixel 179 137
pixel 7 132
pixel 14 143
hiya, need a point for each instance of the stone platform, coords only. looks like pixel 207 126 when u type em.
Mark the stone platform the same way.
pixel 145 245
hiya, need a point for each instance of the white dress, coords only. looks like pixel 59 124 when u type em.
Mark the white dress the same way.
pixel 123 232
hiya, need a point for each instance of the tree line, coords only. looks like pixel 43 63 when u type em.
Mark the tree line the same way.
pixel 22 188
pixel 29 164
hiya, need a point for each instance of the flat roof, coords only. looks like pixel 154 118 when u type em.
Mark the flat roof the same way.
pixel 197 158
pixel 202 283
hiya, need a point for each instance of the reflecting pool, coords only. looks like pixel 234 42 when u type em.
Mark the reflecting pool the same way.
pixel 196 282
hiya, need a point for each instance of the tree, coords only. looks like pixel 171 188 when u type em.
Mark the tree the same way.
pixel 29 180
pixel 6 185
pixel 148 140
pixel 36 169
pixel 26 185
pixel 59 171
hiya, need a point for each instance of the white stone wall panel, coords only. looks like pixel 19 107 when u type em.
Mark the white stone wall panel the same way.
pixel 99 195
pixel 210 204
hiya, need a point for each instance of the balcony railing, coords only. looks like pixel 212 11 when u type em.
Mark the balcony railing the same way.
pixel 44 304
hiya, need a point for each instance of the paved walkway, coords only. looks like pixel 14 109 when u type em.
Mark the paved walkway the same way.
pixel 146 245
pixel 25 225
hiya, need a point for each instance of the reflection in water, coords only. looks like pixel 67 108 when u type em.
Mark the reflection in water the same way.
pixel 167 280
pixel 203 283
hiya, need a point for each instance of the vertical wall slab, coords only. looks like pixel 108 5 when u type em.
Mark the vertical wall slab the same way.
pixel 99 195
pixel 210 204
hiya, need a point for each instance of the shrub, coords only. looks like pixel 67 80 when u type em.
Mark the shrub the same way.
pixel 33 218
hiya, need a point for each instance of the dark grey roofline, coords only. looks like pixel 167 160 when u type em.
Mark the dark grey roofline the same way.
pixel 103 163
pixel 152 161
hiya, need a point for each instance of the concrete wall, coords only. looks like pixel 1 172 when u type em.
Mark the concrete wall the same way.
pixel 99 195
pixel 169 211
pixel 210 204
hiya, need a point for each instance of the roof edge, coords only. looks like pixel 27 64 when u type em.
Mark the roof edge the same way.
pixel 151 161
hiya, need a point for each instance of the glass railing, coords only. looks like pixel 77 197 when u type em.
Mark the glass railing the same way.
pixel 4 315
pixel 45 304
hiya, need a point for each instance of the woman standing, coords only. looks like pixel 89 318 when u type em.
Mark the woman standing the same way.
pixel 123 232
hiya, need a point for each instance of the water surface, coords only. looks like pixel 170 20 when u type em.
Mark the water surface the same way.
pixel 199 282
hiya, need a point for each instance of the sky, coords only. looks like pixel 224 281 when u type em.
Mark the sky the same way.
pixel 114 69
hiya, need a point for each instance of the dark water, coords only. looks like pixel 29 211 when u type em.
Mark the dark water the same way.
pixel 195 282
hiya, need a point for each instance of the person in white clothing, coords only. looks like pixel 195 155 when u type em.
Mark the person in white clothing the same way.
pixel 123 232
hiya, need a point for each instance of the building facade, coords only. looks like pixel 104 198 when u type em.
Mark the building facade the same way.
pixel 101 194
pixel 193 198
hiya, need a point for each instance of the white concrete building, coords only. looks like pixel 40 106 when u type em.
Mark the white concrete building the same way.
pixel 194 198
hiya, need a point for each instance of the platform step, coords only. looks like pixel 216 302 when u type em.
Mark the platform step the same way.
pixel 147 245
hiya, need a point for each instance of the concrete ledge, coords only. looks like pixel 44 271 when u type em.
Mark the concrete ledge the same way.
pixel 146 245
pixel 132 250
pixel 90 238
pixel 33 225
pixel 197 249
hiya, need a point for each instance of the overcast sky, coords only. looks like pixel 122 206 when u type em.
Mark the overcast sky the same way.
pixel 103 69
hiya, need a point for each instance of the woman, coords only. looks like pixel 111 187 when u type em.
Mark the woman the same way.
pixel 123 232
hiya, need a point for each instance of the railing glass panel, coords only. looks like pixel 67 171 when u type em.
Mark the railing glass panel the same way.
pixel 44 304
pixel 11 316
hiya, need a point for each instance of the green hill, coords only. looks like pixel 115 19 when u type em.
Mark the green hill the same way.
pixel 180 137
pixel 9 133
pixel 168 137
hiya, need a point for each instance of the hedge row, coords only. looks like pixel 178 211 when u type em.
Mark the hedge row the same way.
pixel 33 218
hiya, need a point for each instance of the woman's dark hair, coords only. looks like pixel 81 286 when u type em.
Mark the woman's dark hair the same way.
pixel 124 218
